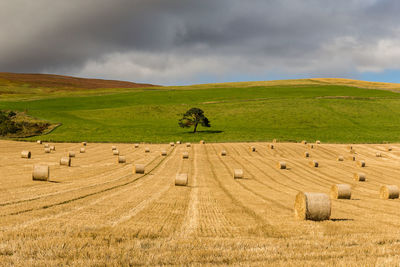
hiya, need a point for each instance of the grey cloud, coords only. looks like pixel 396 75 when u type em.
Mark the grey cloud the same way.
pixel 176 41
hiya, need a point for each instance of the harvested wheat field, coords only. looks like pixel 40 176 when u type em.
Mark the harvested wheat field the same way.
pixel 99 212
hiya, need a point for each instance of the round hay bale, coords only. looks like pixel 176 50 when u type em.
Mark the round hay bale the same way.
pixel 178 142
pixel 389 192
pixel 185 155
pixel 350 147
pixel 311 146
pixel 318 142
pixel 46 146
pixel 41 172
pixel 378 154
pixel 341 191
pixel 202 142
pixel 84 143
pixel 281 165
pixel 312 206
pixel 39 142
pixel 390 149
pixel 136 145
pixel 181 179
pixel 237 174
pixel 253 149
pixel 71 154
pixel 52 148
pixel 147 150
pixel 352 151
pixel 26 154
pixel 172 144
pixel 304 142
pixel 65 161
pixel 113 148
pixel 352 158
pixel 340 158
pixel 359 177
pixel 121 159
pixel 188 144
pixel 313 163
pixel 271 146
pixel 163 153
pixel 306 154
pixel 47 150
pixel 361 163
pixel 139 168
pixel 115 152
pixel 223 153
pixel 82 150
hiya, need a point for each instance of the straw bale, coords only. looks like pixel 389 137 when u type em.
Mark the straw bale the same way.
pixel 181 179
pixel 237 173
pixel 41 172
pixel 361 163
pixel 389 192
pixel 281 165
pixel 360 177
pixel 314 163
pixel 312 206
pixel 65 161
pixel 341 191
pixel 139 168
pixel 121 159
pixel 26 154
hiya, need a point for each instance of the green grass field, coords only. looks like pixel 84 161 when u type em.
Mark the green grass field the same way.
pixel 330 113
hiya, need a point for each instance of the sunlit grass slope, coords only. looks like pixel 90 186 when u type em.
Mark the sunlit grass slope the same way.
pixel 287 110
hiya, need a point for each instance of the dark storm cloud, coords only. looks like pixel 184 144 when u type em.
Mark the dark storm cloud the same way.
pixel 167 41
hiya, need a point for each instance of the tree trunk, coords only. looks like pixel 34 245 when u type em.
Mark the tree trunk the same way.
pixel 195 127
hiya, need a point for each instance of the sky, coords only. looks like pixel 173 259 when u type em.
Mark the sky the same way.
pixel 179 42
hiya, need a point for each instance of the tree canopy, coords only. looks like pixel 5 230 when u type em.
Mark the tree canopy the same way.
pixel 194 117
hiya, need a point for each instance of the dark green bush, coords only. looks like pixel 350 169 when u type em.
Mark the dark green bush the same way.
pixel 8 126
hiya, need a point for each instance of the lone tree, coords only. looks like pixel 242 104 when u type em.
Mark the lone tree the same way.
pixel 193 117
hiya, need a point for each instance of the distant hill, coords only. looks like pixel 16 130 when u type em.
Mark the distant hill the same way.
pixel 28 86
pixel 20 86
pixel 60 81
pixel 297 82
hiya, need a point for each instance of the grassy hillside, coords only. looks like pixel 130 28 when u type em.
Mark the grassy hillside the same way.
pixel 28 86
pixel 288 111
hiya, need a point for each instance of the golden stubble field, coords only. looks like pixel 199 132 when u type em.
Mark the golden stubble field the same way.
pixel 98 212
